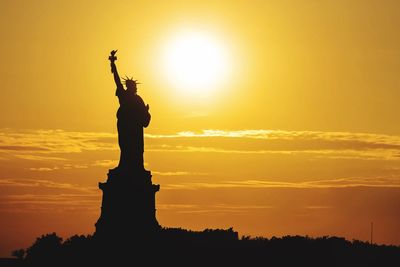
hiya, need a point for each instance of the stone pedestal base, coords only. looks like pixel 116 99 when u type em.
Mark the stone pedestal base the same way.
pixel 128 206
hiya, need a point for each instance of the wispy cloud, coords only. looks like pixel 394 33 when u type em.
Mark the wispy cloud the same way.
pixel 44 184
pixel 219 208
pixel 22 148
pixel 35 195
pixel 176 173
pixel 332 183
pixel 48 202
pixel 323 144
pixel 318 207
pixel 44 169
pixel 39 157
pixel 55 141
pixel 390 140
pixel 53 145
pixel 105 163
pixel 368 154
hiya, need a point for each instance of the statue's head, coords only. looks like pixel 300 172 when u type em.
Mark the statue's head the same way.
pixel 131 84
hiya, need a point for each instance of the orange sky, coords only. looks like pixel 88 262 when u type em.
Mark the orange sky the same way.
pixel 301 137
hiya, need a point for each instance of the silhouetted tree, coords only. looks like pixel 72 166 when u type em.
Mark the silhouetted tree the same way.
pixel 46 249
pixel 211 247
pixel 19 253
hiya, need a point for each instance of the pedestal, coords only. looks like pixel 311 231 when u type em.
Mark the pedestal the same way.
pixel 128 206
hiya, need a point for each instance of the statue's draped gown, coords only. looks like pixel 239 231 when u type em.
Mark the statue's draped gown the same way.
pixel 132 116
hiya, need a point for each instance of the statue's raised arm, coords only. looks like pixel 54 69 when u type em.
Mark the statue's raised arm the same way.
pixel 117 79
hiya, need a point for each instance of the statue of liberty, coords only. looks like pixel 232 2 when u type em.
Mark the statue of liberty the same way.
pixel 128 208
pixel 132 116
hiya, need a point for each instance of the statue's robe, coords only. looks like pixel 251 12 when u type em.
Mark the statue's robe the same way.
pixel 132 116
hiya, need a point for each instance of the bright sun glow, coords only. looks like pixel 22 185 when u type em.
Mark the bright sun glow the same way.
pixel 195 63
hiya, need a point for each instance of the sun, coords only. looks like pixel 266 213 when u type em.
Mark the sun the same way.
pixel 196 63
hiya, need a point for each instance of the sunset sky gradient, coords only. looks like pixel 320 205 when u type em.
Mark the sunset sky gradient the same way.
pixel 301 135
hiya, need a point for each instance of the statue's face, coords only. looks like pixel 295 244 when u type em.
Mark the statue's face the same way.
pixel 131 85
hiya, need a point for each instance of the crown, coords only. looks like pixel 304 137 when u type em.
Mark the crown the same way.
pixel 129 80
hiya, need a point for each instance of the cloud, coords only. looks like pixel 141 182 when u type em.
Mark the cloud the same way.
pixel 53 145
pixel 66 166
pixel 318 207
pixel 48 203
pixel 176 173
pixel 55 141
pixel 335 145
pixel 367 154
pixel 218 208
pixel 332 183
pixel 44 184
pixel 44 169
pixel 36 195
pixel 105 163
pixel 390 140
pixel 22 148
pixel 38 158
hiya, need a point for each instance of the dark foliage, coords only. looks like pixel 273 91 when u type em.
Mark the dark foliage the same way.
pixel 19 254
pixel 218 247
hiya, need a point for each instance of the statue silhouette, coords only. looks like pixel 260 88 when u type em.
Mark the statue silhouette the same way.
pixel 128 205
pixel 132 116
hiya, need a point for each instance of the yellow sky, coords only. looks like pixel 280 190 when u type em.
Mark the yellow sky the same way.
pixel 304 129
